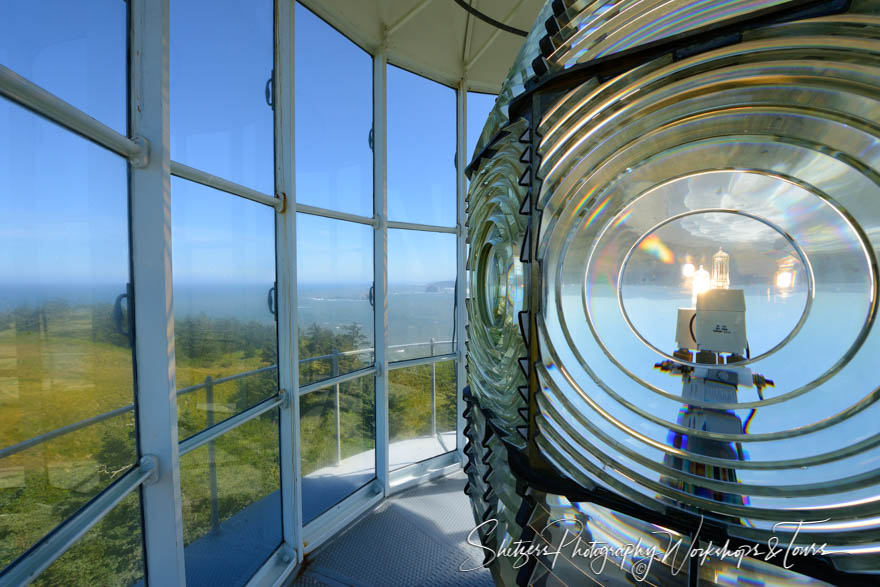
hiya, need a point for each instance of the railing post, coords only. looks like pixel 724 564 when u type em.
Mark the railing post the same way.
pixel 338 418
pixel 212 457
pixel 433 393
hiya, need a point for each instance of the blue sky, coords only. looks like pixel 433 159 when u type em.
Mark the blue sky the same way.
pixel 64 199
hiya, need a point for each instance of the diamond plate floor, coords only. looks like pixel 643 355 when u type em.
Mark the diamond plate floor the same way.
pixel 415 538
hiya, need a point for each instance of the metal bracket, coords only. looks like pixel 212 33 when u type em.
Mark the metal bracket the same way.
pixel 281 205
pixel 285 399
pixel 140 159
pixel 286 554
pixel 150 464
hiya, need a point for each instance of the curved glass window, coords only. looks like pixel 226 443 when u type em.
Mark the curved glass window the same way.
pixel 224 304
pixel 75 50
pixel 421 149
pixel 335 277
pixel 220 89
pixel 230 489
pixel 421 413
pixel 478 108
pixel 421 294
pixel 67 425
pixel 334 118
pixel 338 432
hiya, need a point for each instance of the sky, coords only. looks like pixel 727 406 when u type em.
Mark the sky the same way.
pixel 64 199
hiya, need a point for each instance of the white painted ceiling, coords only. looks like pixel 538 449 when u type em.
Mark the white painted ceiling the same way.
pixel 436 38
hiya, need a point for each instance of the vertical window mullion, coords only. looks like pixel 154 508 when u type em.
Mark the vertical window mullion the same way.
pixel 285 254
pixel 151 272
pixel 380 261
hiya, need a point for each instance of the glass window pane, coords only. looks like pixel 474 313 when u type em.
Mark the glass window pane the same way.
pixel 334 274
pixel 76 50
pixel 65 355
pixel 221 61
pixel 334 115
pixel 42 486
pixel 421 294
pixel 447 395
pixel 421 413
pixel 224 272
pixel 478 108
pixel 110 554
pixel 232 504
pixel 338 432
pixel 421 149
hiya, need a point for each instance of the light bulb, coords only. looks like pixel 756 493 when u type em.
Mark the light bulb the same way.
pixel 702 283
pixel 784 279
pixel 687 270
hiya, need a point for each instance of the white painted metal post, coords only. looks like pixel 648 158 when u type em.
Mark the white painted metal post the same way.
pixel 212 455
pixel 461 160
pixel 433 393
pixel 150 199
pixel 380 263
pixel 285 258
pixel 334 374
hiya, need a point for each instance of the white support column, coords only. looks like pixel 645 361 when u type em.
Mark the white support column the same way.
pixel 150 199
pixel 285 257
pixel 380 262
pixel 461 160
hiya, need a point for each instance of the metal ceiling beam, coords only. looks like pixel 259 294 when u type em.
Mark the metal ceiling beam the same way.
pixel 406 17
pixel 466 43
pixel 492 37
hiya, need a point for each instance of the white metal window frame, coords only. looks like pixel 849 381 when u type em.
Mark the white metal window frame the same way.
pixel 148 152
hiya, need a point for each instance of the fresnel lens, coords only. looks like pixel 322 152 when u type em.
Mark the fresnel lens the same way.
pixel 674 225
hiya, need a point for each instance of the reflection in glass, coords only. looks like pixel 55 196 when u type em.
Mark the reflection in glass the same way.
pixel 65 351
pixel 421 413
pixel 75 50
pixel 659 280
pixel 221 62
pixel 43 485
pixel 334 282
pixel 656 555
pixel 447 397
pixel 421 165
pixel 751 571
pixel 334 117
pixel 231 496
pixel 111 553
pixel 338 432
pixel 224 303
pixel 557 521
pixel 421 294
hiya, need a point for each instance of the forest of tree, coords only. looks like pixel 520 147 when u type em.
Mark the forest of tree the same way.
pixel 33 500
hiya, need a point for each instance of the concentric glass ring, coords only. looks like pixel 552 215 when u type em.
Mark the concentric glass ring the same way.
pixel 497 228
pixel 781 131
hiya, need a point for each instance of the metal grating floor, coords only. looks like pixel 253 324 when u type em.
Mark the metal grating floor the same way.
pixel 415 538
